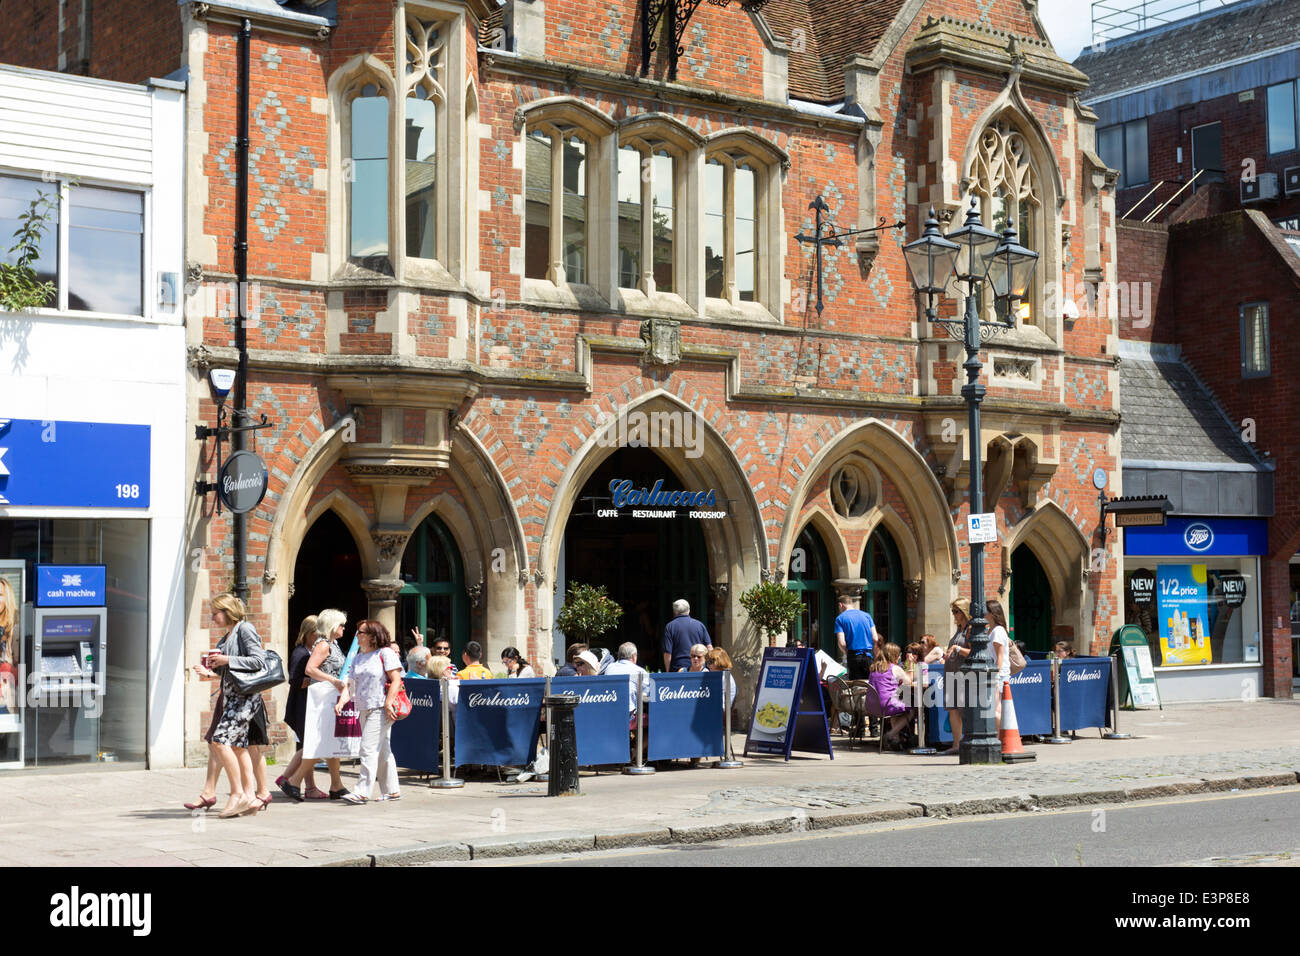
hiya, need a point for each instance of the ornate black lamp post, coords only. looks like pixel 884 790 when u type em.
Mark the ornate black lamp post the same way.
pixel 973 255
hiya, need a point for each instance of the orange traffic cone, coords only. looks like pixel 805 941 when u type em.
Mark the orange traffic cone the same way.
pixel 1013 750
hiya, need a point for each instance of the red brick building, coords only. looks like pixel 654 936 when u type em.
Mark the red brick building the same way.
pixel 1208 409
pixel 1206 100
pixel 498 270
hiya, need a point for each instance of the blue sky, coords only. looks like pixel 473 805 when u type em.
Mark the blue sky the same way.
pixel 1069 24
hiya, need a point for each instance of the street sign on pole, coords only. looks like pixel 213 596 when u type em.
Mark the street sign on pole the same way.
pixel 982 529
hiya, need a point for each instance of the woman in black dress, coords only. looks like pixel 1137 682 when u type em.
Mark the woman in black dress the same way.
pixel 295 706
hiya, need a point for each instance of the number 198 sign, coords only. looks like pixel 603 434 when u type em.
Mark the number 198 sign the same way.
pixel 74 464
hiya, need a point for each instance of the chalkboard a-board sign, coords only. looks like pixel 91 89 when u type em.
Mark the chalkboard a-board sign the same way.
pixel 1138 679
pixel 788 710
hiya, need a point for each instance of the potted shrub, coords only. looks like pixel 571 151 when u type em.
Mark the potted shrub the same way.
pixel 773 607
pixel 588 613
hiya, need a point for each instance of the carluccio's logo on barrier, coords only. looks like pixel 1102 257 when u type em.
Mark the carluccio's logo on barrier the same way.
pixel 657 503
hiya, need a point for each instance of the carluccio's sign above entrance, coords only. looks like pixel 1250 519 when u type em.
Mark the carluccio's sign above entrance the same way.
pixel 630 501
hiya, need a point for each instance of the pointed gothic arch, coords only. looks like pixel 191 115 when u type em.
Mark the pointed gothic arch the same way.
pixel 929 549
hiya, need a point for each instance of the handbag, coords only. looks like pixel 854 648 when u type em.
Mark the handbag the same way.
pixel 401 703
pixel 1018 661
pixel 270 674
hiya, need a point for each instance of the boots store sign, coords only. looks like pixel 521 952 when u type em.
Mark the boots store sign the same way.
pixel 241 483
pixel 60 464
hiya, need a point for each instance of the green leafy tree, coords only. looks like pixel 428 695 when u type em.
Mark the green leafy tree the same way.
pixel 773 607
pixel 588 613
pixel 20 288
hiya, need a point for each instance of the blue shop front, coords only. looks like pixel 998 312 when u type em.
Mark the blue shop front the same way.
pixel 1193 587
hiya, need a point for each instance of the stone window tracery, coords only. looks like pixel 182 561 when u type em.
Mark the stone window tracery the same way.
pixel 1003 178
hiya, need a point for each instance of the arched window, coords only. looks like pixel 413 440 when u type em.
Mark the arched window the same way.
pixel 1003 178
pixel 743 228
pixel 810 576
pixel 883 596
pixel 556 194
pixel 731 227
pixel 433 598
pixel 647 208
pixel 366 171
pixel 423 139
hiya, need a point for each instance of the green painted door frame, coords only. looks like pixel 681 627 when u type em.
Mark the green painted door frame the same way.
pixel 1031 612
pixel 815 586
pixel 433 595
pixel 883 596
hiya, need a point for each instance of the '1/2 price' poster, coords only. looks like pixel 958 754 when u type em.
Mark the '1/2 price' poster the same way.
pixel 1182 613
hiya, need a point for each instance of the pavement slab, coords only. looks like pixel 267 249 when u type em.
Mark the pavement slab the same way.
pixel 134 817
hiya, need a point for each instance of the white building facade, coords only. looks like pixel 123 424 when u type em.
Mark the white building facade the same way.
pixel 92 425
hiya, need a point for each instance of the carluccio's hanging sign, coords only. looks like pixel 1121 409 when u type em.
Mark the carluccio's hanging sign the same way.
pixel 627 500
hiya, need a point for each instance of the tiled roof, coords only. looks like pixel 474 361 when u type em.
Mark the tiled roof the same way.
pixel 1197 44
pixel 832 32
pixel 1169 415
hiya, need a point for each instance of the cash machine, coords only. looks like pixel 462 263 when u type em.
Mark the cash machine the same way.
pixel 69 643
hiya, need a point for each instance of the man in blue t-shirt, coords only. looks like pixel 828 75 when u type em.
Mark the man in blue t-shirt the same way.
pixel 856 633
pixel 682 631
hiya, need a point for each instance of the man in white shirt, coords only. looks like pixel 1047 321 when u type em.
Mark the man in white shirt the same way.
pixel 626 664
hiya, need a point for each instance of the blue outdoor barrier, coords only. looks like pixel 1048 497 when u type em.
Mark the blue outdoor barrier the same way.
pixel 498 721
pixel 685 715
pixel 415 740
pixel 601 719
pixel 937 730
pixel 1085 692
pixel 1031 692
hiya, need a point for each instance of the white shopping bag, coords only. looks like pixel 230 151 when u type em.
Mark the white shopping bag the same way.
pixel 318 729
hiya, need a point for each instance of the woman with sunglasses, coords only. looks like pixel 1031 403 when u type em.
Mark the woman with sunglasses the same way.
pixel 373 683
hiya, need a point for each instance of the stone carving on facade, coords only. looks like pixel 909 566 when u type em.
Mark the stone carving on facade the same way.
pixel 774 574
pixel 381 590
pixel 852 493
pixel 519 121
pixel 849 587
pixel 956 575
pixel 663 340
pixel 913 590
pixel 524 577
pixel 475 593
pixel 720 590
pixel 539 577
pixel 269 578
pixel 389 545
pixel 361 471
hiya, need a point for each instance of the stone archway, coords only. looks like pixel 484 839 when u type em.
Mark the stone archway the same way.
pixel 1062 553
pixel 736 545
pixel 928 550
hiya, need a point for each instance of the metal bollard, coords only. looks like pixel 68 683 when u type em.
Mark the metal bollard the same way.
pixel 1056 737
pixel 919 689
pixel 728 761
pixel 446 781
pixel 1114 704
pixel 638 768
pixel 545 777
pixel 562 780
